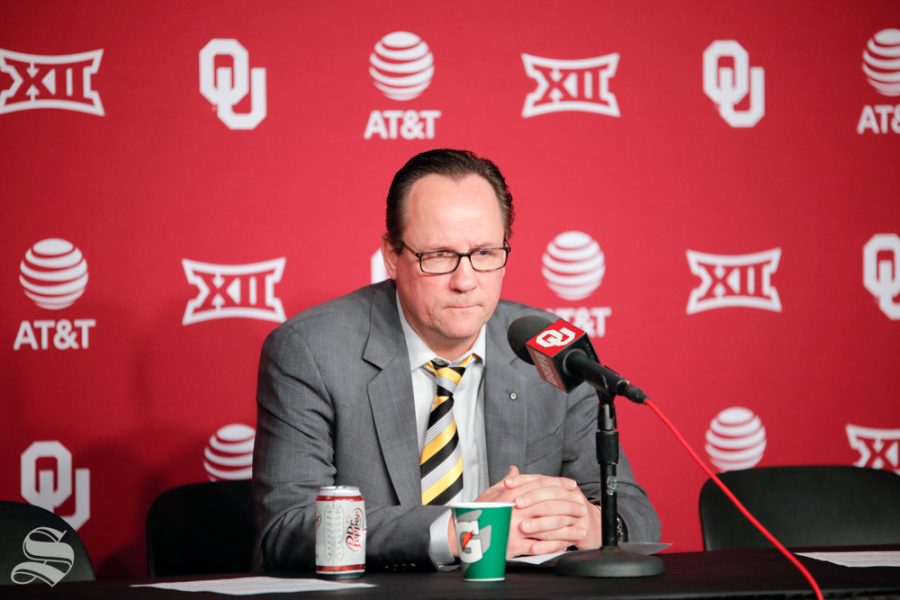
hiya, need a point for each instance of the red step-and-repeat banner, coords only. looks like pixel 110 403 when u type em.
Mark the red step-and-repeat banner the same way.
pixel 710 189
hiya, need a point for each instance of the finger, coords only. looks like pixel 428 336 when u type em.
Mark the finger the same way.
pixel 549 494
pixel 500 494
pixel 554 508
pixel 518 544
pixel 538 526
pixel 572 536
pixel 547 547
pixel 538 479
pixel 558 484
pixel 497 491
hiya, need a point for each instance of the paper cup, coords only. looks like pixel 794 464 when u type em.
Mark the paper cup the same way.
pixel 482 533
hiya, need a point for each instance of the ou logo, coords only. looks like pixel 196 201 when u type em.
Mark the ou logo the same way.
pixel 727 86
pixel 227 86
pixel 552 338
pixel 881 271
pixel 38 485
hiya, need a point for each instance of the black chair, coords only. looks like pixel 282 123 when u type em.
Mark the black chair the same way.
pixel 28 528
pixel 201 528
pixel 803 506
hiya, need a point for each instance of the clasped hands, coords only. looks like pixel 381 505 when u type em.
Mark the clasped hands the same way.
pixel 549 514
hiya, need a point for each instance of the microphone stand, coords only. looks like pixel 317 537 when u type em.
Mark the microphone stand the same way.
pixel 610 560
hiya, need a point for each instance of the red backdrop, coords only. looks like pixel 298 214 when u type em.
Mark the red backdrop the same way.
pixel 756 195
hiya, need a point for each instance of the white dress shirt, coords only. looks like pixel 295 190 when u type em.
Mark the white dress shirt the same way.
pixel 468 412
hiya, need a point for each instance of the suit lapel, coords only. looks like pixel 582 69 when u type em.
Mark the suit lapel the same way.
pixel 505 408
pixel 391 396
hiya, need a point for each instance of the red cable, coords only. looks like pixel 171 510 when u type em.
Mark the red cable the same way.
pixel 736 502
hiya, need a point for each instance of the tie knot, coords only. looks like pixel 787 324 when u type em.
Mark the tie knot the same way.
pixel 448 375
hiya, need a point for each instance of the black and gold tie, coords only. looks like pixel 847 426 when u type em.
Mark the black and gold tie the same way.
pixel 441 464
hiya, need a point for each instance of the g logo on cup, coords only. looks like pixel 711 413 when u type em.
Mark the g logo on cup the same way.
pixel 473 542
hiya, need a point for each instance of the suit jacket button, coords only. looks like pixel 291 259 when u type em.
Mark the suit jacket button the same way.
pixel 513 396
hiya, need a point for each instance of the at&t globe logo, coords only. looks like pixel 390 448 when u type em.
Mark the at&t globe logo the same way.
pixel 880 62
pixel 881 67
pixel 736 439
pixel 401 66
pixel 573 266
pixel 54 274
pixel 229 453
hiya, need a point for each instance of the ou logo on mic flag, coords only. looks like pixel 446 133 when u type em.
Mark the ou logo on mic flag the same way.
pixel 727 86
pixel 555 338
pixel 225 87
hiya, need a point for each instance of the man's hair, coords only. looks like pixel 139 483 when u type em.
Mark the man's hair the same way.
pixel 455 164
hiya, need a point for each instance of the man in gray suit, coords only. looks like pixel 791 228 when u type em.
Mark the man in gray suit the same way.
pixel 347 396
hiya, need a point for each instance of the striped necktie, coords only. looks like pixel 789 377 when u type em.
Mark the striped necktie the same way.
pixel 441 463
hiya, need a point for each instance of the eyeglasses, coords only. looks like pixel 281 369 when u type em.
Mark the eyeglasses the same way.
pixel 447 261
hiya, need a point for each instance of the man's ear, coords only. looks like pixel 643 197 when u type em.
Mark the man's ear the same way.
pixel 390 255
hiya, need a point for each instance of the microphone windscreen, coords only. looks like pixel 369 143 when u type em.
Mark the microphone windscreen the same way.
pixel 523 329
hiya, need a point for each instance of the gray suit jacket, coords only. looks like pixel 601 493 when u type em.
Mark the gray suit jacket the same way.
pixel 335 407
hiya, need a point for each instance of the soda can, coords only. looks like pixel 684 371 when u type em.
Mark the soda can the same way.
pixel 340 532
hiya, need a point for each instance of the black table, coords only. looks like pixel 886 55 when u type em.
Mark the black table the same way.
pixel 723 574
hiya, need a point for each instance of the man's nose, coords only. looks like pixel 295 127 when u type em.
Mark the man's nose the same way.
pixel 465 277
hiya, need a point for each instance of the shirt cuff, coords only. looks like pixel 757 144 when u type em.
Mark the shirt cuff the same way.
pixel 439 544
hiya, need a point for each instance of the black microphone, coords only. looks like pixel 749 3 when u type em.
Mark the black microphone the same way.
pixel 564 356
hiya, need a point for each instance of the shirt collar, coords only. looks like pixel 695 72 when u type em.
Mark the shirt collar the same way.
pixel 420 353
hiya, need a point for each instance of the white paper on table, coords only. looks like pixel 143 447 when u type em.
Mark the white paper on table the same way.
pixel 537 559
pixel 867 558
pixel 645 548
pixel 246 586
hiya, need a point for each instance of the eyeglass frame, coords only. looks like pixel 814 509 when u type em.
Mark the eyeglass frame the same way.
pixel 459 256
